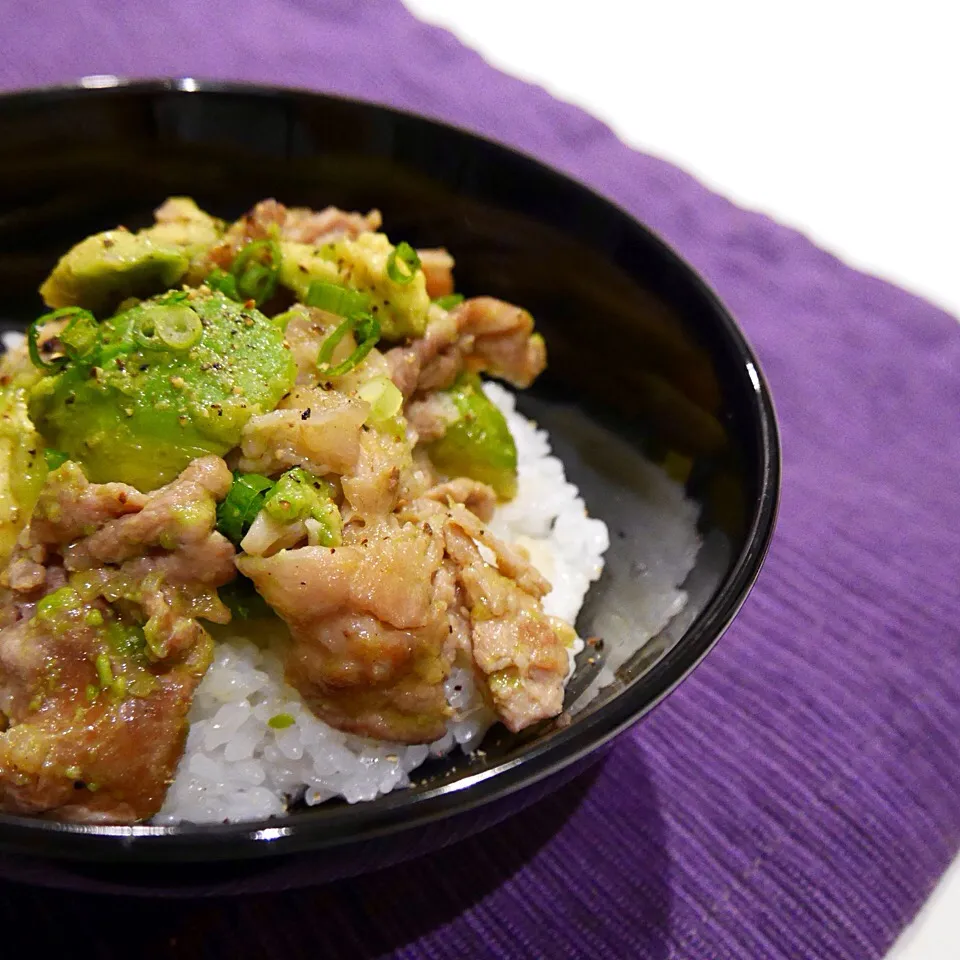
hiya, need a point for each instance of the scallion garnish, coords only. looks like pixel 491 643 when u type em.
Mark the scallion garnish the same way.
pixel 174 326
pixel 223 282
pixel 403 264
pixel 336 299
pixel 78 337
pixel 242 504
pixel 450 301
pixel 366 330
pixel 256 270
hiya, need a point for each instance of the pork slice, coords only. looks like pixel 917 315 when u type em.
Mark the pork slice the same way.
pixel 514 645
pixel 437 266
pixel 178 515
pixel 369 631
pixel 316 429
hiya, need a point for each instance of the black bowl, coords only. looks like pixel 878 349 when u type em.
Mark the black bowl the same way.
pixel 645 362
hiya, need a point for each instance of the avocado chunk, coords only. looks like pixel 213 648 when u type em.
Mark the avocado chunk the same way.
pixel 171 379
pixel 101 271
pixel 361 265
pixel 298 495
pixel 183 226
pixel 477 443
pixel 22 467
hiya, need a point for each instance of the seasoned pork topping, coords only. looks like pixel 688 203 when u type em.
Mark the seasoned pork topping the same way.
pixel 294 397
pixel 101 648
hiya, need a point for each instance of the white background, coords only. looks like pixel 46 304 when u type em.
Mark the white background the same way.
pixel 841 119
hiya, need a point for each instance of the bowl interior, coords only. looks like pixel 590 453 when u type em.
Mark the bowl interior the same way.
pixel 645 365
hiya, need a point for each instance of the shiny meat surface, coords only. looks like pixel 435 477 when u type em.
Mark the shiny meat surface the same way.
pixel 482 335
pixel 514 644
pixel 374 485
pixel 314 428
pixel 100 644
pixel 72 506
pixel 176 516
pixel 369 630
pixel 504 343
pixel 478 498
pixel 105 761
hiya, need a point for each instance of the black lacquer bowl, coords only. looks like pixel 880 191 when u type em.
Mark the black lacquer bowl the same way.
pixel 645 364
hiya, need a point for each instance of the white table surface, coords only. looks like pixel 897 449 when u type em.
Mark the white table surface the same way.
pixel 836 117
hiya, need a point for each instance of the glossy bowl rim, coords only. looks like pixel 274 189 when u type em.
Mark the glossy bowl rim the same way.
pixel 392 813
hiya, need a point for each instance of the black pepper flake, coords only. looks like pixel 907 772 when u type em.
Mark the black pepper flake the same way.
pixel 306 414
pixel 144 367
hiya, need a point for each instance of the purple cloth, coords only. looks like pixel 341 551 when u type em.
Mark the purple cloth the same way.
pixel 797 797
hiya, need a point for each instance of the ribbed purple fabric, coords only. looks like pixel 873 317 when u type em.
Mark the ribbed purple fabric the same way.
pixel 798 796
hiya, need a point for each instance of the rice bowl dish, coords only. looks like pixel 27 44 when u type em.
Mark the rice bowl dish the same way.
pixel 370 429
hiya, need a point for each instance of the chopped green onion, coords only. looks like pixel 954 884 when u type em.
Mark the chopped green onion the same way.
pixel 366 328
pixel 333 298
pixel 157 642
pixel 93 691
pixel 450 301
pixel 402 264
pixel 54 458
pixel 179 327
pixel 104 670
pixel 242 504
pixel 257 269
pixel 242 600
pixel 173 327
pixel 384 397
pixel 223 282
pixel 83 327
pixel 280 721
pixel 282 319
pixel 80 335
